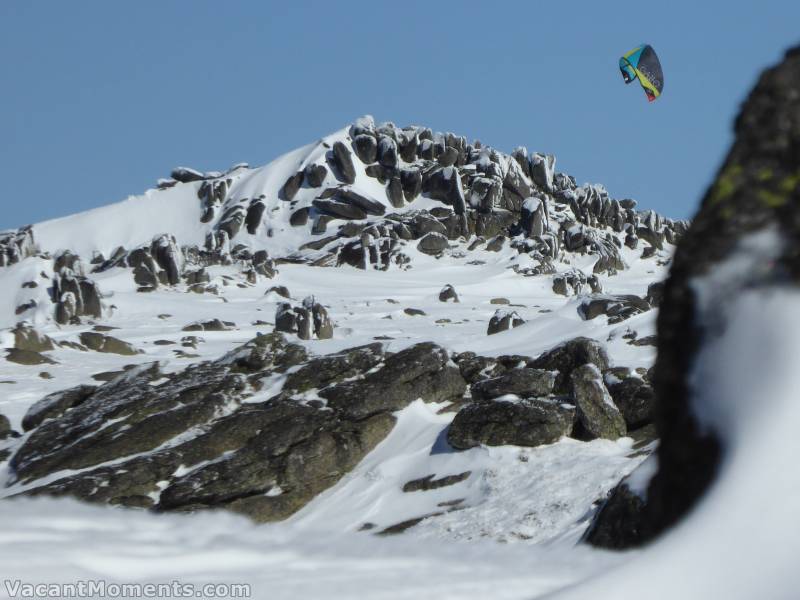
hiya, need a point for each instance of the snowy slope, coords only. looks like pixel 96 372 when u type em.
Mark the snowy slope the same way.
pixel 540 499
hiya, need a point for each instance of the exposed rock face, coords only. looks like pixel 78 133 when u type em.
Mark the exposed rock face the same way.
pixel 522 422
pixel 191 443
pixel 73 294
pixel 757 191
pixel 597 415
pixel 421 371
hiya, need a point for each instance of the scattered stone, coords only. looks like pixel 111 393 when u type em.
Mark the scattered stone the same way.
pixel 503 320
pixel 448 294
pixel 212 325
pixel 427 483
pixel 28 357
pixel 105 343
pixel 28 338
pixel 414 312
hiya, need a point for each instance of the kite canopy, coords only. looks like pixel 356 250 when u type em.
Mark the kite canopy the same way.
pixel 642 63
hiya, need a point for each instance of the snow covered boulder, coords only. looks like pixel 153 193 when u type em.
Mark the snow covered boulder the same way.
pixel 534 217
pixel 366 148
pixel 597 416
pixel 186 175
pixel 616 307
pixel 448 294
pixel 511 420
pixel 503 320
pixel 542 170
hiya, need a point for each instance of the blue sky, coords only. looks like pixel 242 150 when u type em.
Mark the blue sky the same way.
pixel 100 99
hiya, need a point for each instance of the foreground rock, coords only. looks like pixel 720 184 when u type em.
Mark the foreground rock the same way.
pixel 755 196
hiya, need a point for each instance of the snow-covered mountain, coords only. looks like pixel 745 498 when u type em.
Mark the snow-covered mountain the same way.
pixel 396 347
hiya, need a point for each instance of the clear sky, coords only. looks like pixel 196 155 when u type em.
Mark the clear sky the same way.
pixel 99 99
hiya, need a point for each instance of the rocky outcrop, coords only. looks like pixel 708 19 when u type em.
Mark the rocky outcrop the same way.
pixel 198 440
pixel 16 246
pixel 73 294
